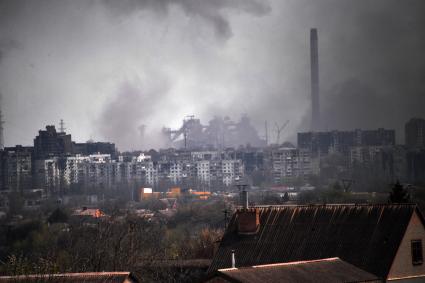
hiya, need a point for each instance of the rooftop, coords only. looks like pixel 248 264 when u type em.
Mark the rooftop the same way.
pixel 324 270
pixel 88 277
pixel 364 235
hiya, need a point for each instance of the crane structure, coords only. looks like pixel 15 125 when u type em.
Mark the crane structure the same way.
pixel 279 130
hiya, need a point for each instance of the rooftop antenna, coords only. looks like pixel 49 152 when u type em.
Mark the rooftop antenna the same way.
pixel 62 126
pixel 279 129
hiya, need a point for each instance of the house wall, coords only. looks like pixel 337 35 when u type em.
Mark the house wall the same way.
pixel 402 265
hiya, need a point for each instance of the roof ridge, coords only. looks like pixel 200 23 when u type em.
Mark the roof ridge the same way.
pixel 328 205
pixel 69 274
pixel 297 262
pixel 283 264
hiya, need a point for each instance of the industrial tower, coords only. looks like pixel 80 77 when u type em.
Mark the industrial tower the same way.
pixel 62 126
pixel 1 125
pixel 314 62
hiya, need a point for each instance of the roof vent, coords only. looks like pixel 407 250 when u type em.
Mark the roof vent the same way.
pixel 233 259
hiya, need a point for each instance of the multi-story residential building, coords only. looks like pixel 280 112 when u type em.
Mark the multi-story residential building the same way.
pixel 16 168
pixel 386 162
pixel 232 170
pixel 91 147
pixel 75 169
pixel 50 143
pixel 99 170
pixel 205 155
pixel 225 172
pixel 364 154
pixel 416 165
pixel 48 174
pixel 415 133
pixel 203 171
pixel 176 172
pixel 323 143
pixel 286 163
pixel 151 173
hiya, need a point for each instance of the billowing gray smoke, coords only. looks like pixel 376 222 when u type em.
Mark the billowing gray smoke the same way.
pixel 165 59
pixel 210 11
pixel 122 119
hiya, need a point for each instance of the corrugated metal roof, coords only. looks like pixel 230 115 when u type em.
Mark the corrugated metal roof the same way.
pixel 366 236
pixel 88 277
pixel 317 271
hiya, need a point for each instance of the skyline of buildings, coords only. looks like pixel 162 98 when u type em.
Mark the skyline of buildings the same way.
pixel 56 163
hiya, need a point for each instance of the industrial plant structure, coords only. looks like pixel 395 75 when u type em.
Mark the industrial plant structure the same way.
pixel 219 133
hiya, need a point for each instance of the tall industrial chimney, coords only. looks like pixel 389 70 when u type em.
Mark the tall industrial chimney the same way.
pixel 314 62
pixel 1 124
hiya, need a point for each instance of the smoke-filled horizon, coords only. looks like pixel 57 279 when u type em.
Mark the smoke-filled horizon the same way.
pixel 121 70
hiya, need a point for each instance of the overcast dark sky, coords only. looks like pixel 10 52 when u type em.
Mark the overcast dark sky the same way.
pixel 107 67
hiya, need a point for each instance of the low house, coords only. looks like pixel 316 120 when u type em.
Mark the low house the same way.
pixel 88 277
pixel 88 212
pixel 385 240
pixel 324 270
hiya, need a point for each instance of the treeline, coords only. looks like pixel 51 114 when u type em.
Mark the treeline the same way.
pixel 60 243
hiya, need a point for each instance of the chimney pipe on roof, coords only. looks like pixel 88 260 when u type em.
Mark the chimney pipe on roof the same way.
pixel 245 203
pixel 233 259
pixel 243 195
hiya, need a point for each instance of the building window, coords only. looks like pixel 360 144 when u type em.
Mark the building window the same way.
pixel 417 257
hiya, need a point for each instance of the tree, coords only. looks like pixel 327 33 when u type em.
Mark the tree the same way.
pixel 58 216
pixel 399 194
pixel 285 197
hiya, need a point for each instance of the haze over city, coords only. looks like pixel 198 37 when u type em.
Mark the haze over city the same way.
pixel 212 141
pixel 108 67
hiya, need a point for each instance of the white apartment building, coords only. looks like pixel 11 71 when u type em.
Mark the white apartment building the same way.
pixel 290 163
pixel 232 170
pixel 203 171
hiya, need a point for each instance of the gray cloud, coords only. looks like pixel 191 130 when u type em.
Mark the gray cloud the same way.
pixel 7 45
pixel 211 11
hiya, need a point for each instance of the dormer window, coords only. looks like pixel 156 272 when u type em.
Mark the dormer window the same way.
pixel 417 256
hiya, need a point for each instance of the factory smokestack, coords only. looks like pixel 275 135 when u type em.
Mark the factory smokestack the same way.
pixel 1 124
pixel 314 61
